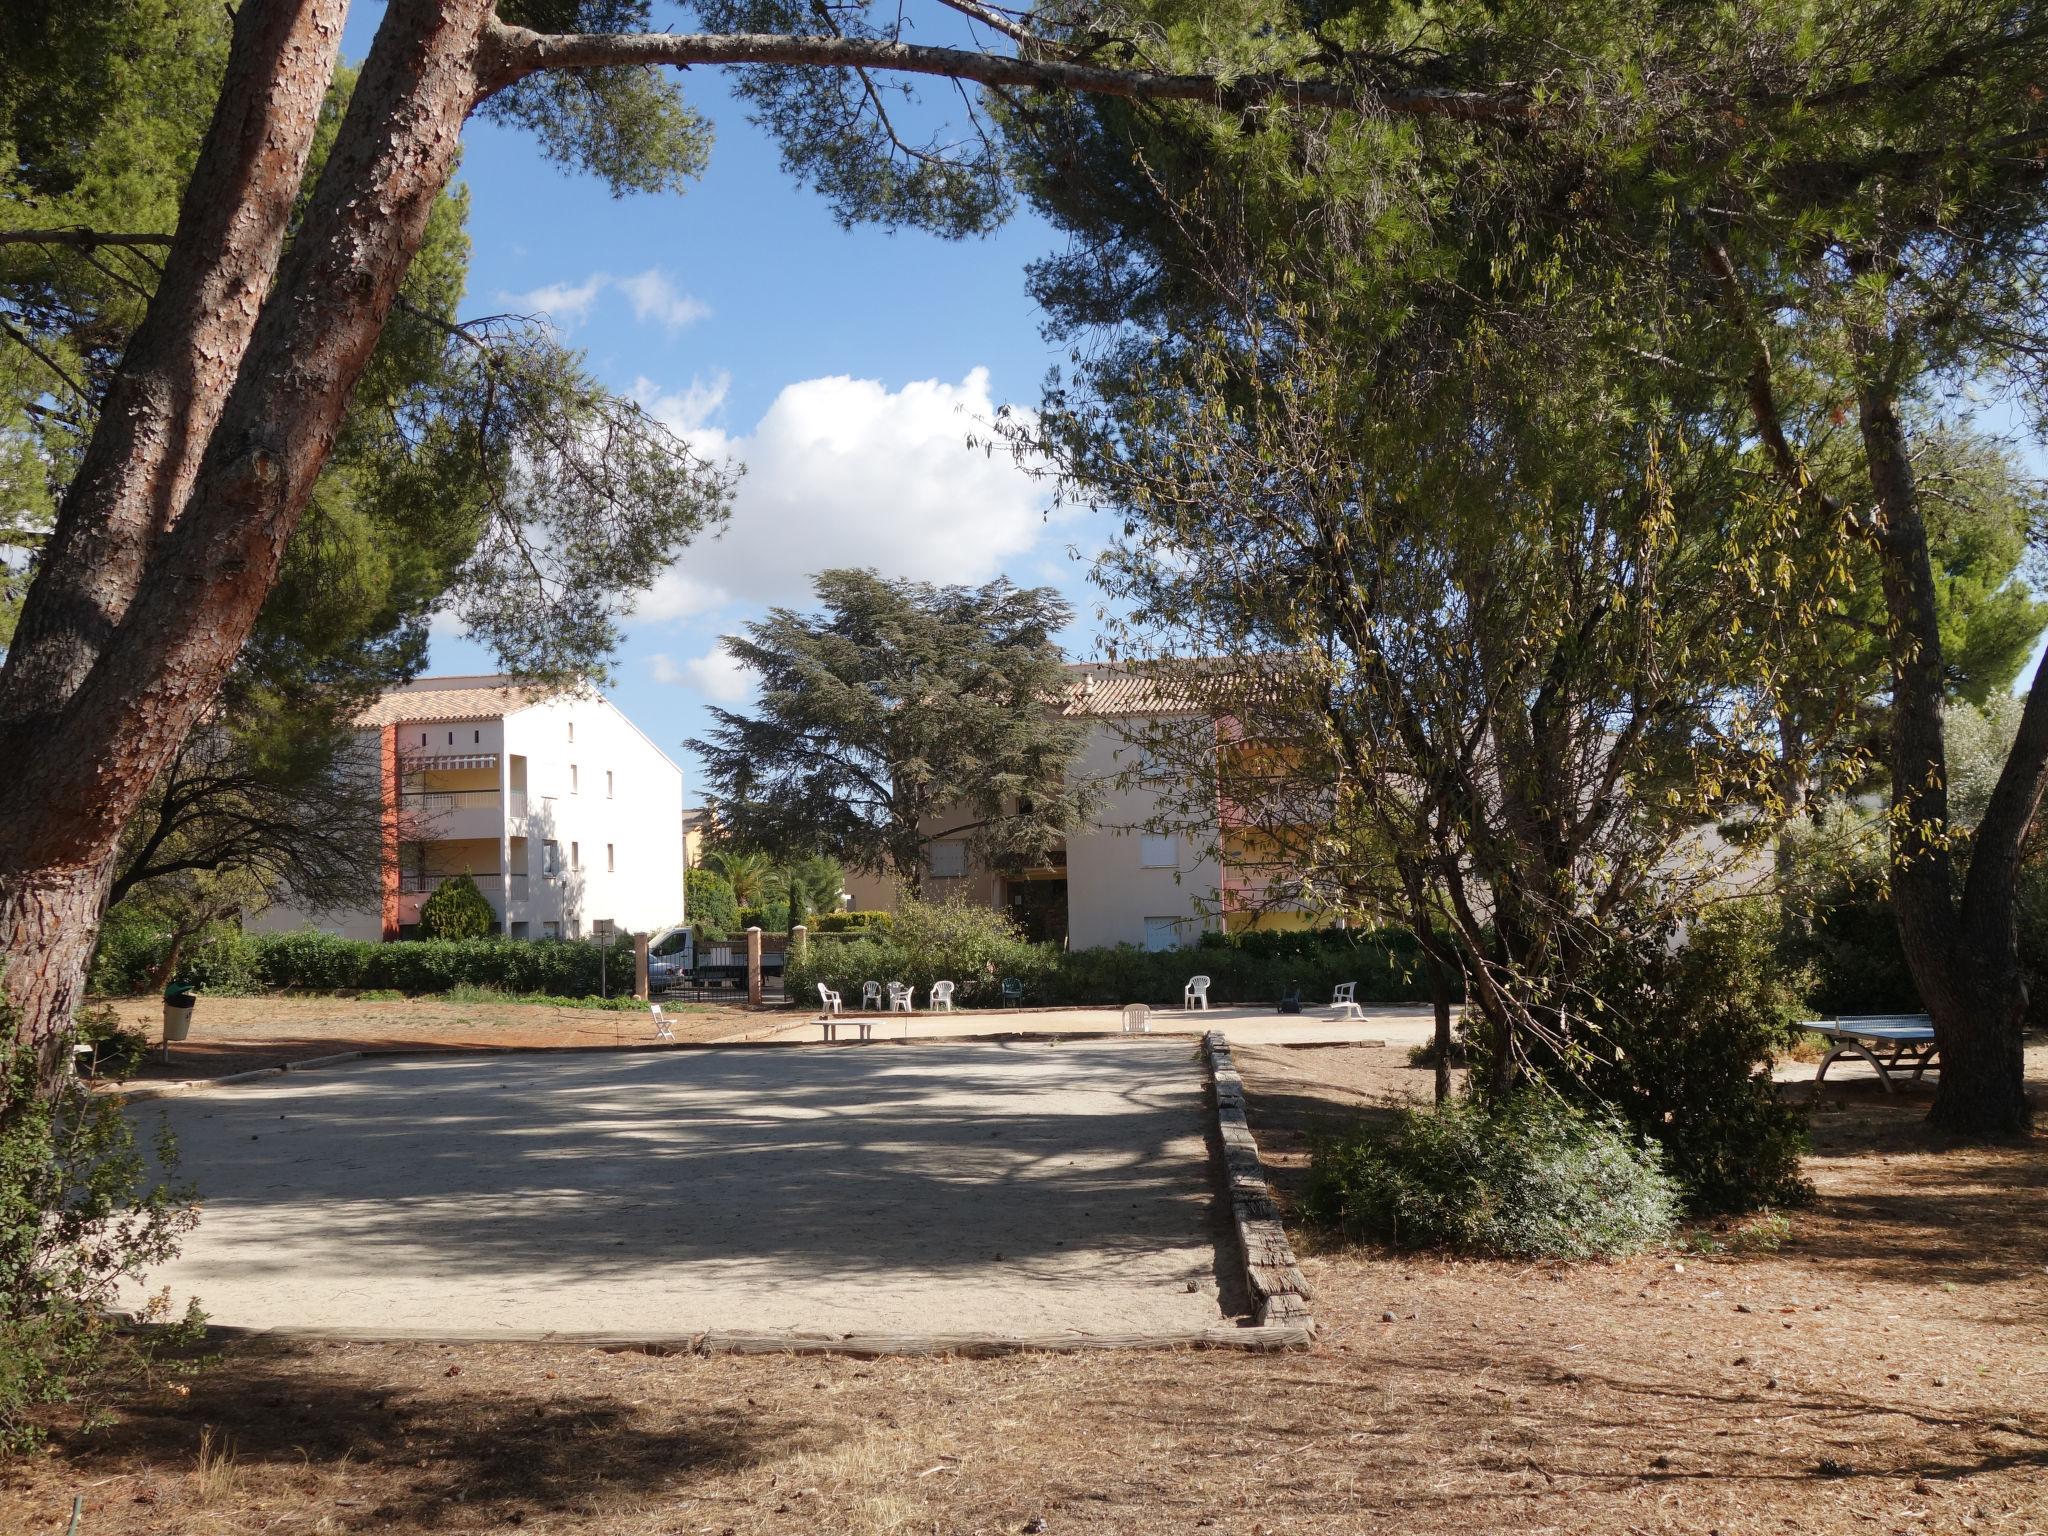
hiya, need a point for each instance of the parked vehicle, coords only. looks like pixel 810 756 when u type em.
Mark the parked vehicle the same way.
pixel 677 957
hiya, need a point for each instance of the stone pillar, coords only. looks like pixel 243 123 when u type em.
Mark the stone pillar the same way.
pixel 754 966
pixel 799 943
pixel 640 966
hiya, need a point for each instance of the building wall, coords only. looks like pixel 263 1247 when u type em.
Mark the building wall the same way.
pixel 1111 889
pixel 1111 892
pixel 620 843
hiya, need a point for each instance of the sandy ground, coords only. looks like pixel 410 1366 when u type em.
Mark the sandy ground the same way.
pixel 240 1034
pixel 1384 1023
pixel 1001 1189
pixel 1885 1371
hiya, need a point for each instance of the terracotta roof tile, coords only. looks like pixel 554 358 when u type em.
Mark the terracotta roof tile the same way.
pixel 1099 689
pixel 450 698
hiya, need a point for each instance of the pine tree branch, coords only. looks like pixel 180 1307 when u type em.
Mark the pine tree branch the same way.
pixel 513 53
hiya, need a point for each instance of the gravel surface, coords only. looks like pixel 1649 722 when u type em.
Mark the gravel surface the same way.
pixel 1008 1189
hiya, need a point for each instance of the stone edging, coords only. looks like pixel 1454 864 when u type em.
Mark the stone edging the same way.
pixel 1279 1290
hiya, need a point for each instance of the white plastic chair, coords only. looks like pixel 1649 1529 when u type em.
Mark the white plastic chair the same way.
pixel 900 996
pixel 1197 994
pixel 661 1029
pixel 942 996
pixel 871 996
pixel 828 999
pixel 1344 1001
pixel 1135 1016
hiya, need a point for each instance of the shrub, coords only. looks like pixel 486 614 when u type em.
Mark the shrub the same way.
pixel 713 909
pixel 972 946
pixel 1689 1039
pixel 1424 1055
pixel 79 1216
pixel 772 917
pixel 846 922
pixel 458 910
pixel 116 1050
pixel 1533 1177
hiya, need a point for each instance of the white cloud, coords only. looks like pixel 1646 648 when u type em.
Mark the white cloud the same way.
pixel 561 304
pixel 688 412
pixel 715 675
pixel 655 297
pixel 843 471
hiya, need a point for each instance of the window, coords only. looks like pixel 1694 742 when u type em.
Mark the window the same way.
pixel 948 861
pixel 423 738
pixel 551 930
pixel 477 737
pixel 451 738
pixel 1158 850
pixel 575 779
pixel 1162 933
pixel 607 783
pixel 572 732
pixel 551 857
pixel 611 861
pixel 575 855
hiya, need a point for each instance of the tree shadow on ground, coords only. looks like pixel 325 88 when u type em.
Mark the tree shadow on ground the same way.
pixel 774 1166
pixel 268 1415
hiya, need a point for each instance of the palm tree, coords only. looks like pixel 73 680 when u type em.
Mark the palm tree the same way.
pixel 749 874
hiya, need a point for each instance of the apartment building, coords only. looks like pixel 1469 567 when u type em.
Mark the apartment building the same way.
pixel 564 813
pixel 1123 879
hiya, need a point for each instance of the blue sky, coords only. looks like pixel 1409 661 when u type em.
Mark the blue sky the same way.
pixel 846 369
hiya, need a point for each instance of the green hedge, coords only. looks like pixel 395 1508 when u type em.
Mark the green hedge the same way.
pixel 228 963
pixel 848 922
pixel 1255 969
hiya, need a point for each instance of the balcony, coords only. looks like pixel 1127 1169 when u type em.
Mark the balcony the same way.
pixel 414 889
pixel 443 814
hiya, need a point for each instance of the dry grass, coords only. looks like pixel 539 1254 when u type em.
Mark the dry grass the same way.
pixel 1885 1370
pixel 240 1034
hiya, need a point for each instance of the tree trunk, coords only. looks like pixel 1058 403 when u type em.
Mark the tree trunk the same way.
pixel 1440 1001
pixel 1963 954
pixel 85 742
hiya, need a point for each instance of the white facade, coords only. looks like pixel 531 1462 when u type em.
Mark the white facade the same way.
pixel 564 813
pixel 1112 882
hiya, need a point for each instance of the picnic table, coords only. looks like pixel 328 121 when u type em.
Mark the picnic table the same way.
pixel 1906 1039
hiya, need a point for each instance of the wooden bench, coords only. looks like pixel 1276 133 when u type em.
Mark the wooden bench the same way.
pixel 1906 1039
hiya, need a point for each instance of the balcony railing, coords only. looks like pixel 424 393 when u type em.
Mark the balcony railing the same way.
pixel 436 802
pixel 486 881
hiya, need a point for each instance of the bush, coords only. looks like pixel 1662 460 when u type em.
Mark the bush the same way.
pixel 1689 1039
pixel 972 946
pixel 79 1216
pixel 116 1050
pixel 457 910
pixel 847 922
pixel 1424 1055
pixel 772 917
pixel 713 909
pixel 959 942
pixel 1533 1177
